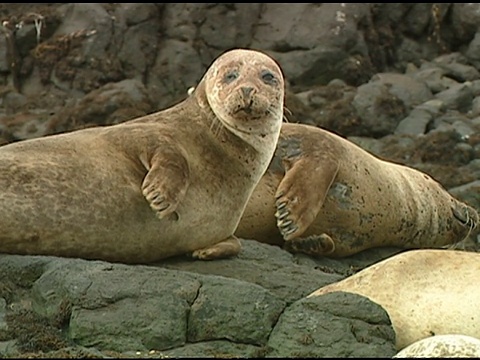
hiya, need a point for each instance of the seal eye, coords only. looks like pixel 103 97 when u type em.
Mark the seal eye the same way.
pixel 230 76
pixel 268 77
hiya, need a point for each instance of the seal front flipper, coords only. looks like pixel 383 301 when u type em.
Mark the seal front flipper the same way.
pixel 167 180
pixel 301 193
pixel 227 248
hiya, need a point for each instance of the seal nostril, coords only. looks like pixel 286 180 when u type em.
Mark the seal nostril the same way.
pixel 247 90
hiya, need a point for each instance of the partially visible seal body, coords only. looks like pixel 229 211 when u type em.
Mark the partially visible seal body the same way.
pixel 323 195
pixel 170 183
pixel 425 292
pixel 443 346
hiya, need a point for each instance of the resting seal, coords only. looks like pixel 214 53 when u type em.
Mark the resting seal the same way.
pixel 169 183
pixel 324 195
pixel 442 346
pixel 425 292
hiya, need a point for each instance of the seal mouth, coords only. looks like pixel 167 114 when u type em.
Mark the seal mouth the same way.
pixel 246 109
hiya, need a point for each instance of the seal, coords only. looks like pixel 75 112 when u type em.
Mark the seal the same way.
pixel 325 196
pixel 442 346
pixel 169 183
pixel 424 291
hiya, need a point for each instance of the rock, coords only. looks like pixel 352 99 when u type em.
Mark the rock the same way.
pixel 316 43
pixel 181 306
pixel 136 13
pixel 3 310
pixel 323 325
pixel 7 50
pixel 374 146
pixel 378 108
pixel 110 104
pixel 473 51
pixel 14 101
pixel 140 39
pixel 331 107
pixel 453 120
pixel 269 267
pixel 411 91
pixel 469 193
pixel 164 82
pixel 465 20
pixel 410 50
pixel 233 310
pixel 26 124
pixel 216 348
pixel 475 106
pixel 457 97
pixel 460 72
pixel 434 77
pixel 8 349
pixel 419 118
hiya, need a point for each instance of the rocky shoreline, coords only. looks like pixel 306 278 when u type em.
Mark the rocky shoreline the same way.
pixel 400 80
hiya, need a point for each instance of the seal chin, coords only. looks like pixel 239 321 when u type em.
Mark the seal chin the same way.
pixel 261 126
pixel 256 135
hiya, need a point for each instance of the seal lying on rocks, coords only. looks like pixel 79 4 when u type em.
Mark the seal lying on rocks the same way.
pixel 325 196
pixel 169 183
pixel 425 292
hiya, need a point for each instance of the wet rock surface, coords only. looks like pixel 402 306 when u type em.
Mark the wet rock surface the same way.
pixel 252 305
pixel 400 80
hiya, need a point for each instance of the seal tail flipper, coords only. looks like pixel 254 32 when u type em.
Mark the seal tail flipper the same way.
pixel 314 245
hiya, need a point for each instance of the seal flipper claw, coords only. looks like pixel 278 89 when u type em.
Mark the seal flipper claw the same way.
pixel 281 215
pixel 289 231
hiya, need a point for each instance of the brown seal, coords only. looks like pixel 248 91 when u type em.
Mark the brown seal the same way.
pixel 325 195
pixel 169 183
pixel 425 292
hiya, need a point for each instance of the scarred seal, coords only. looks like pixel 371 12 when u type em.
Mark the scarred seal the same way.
pixel 169 183
pixel 325 196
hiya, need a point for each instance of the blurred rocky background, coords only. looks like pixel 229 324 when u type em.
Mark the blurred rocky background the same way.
pixel 402 80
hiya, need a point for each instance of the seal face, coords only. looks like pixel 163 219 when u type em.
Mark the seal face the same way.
pixel 325 196
pixel 425 292
pixel 169 183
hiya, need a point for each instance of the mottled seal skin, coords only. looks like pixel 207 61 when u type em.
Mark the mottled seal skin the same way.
pixel 442 346
pixel 325 196
pixel 173 182
pixel 424 291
